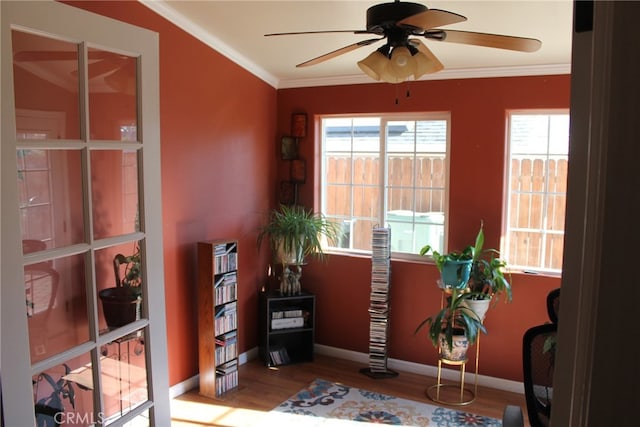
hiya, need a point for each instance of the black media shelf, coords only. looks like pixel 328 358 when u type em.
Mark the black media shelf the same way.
pixel 286 327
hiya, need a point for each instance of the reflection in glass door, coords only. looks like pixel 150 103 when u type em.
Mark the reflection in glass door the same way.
pixel 85 247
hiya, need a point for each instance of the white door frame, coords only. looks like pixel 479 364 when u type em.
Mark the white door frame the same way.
pixel 51 17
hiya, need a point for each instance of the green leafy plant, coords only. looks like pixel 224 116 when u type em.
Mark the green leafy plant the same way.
pixel 454 266
pixel 441 259
pixel 49 408
pixel 297 231
pixel 132 275
pixel 452 319
pixel 468 253
pixel 487 279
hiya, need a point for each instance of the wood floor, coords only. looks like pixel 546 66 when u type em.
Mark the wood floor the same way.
pixel 261 389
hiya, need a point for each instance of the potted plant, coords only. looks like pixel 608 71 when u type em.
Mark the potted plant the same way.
pixel 454 327
pixel 295 233
pixel 49 409
pixel 487 279
pixel 454 267
pixel 121 304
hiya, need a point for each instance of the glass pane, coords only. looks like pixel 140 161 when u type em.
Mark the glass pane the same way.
pixel 114 189
pixel 430 200
pixel 338 200
pixel 366 201
pixel 410 231
pixel 50 196
pixel 63 394
pixel 525 248
pixel 554 251
pixel 119 275
pixel 338 169
pixel 366 169
pixel 112 96
pixel 141 420
pixel 430 171
pixel 400 198
pixel 124 374
pixel 56 305
pixel 46 87
pixel 361 232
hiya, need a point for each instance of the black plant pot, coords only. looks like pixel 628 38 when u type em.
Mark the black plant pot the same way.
pixel 121 305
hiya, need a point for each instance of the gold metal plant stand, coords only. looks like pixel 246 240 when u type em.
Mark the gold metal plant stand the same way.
pixel 467 395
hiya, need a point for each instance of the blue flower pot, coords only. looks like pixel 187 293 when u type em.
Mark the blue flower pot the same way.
pixel 455 274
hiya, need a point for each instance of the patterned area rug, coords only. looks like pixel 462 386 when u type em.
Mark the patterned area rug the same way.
pixel 324 403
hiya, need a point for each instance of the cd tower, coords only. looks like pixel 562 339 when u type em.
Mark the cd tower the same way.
pixel 379 305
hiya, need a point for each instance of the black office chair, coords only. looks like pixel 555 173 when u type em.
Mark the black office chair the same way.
pixel 538 355
pixel 553 305
pixel 538 359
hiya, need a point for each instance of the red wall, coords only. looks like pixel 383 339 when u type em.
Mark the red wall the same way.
pixel 218 127
pixel 478 127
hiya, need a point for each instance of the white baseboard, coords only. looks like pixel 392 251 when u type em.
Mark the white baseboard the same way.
pixel 194 381
pixel 417 368
pixel 355 356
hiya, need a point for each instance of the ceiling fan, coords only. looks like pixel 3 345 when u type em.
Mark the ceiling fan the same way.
pixel 117 72
pixel 100 63
pixel 404 55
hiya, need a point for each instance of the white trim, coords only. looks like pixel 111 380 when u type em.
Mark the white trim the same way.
pixel 194 382
pixel 55 19
pixel 161 8
pixel 447 74
pixel 184 386
pixel 355 356
pixel 420 369
pixel 210 40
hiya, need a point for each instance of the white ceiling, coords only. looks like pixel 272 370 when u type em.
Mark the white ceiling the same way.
pixel 236 29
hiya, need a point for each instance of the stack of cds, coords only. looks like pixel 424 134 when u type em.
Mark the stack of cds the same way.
pixel 379 305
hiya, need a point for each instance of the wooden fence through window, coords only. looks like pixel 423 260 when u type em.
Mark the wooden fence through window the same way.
pixel 353 193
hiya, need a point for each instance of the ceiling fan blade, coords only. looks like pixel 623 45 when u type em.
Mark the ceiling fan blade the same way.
pixel 521 44
pixel 45 55
pixel 435 64
pixel 295 33
pixel 338 52
pixel 56 55
pixel 104 66
pixel 432 18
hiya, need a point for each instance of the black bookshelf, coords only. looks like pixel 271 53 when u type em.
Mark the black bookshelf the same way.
pixel 286 327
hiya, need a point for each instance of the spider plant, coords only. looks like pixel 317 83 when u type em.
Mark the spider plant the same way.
pixel 295 232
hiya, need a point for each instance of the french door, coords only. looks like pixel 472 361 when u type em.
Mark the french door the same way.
pixel 80 177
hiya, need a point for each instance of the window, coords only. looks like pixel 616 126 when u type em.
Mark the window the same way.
pixel 537 186
pixel 388 170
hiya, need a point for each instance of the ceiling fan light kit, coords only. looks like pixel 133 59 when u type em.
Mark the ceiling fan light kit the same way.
pixel 402 63
pixel 402 56
pixel 374 64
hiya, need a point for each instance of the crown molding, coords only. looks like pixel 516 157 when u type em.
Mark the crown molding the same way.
pixel 447 74
pixel 167 12
pixel 170 14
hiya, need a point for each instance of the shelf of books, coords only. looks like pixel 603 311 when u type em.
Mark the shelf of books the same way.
pixel 286 328
pixel 379 304
pixel 218 316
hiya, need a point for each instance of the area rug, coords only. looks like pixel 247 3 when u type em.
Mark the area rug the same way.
pixel 325 403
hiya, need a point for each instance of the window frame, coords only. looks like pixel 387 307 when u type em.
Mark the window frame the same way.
pixel 385 118
pixel 506 228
